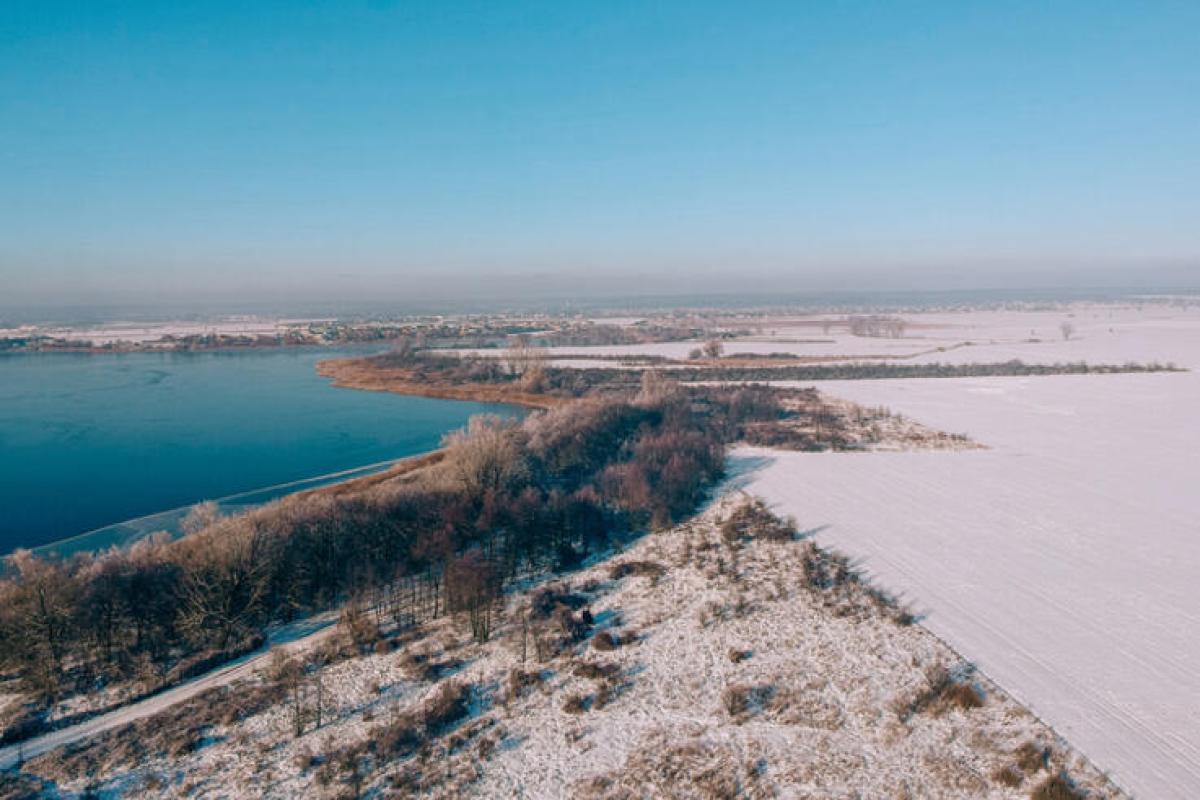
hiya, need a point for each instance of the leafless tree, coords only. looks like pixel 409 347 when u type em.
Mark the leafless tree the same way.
pixel 486 456
pixel 199 517
pixel 713 348
pixel 472 587
pixel 522 356
pixel 656 387
pixel 227 581
pixel 1067 328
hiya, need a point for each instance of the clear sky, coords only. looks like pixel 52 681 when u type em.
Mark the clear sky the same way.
pixel 155 149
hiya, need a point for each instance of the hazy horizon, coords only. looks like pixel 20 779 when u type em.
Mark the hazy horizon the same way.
pixel 345 153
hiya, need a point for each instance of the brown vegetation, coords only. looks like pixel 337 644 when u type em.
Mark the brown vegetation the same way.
pixel 945 689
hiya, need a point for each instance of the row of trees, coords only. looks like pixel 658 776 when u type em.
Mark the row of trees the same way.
pixel 508 497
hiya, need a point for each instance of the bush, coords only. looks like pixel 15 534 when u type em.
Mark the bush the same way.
pixel 547 599
pixel 1032 757
pixel 741 699
pixel 945 690
pixel 597 671
pixel 398 738
pixel 575 704
pixel 1008 776
pixel 1058 787
pixel 649 569
pixel 447 706
pixel 520 680
pixel 605 641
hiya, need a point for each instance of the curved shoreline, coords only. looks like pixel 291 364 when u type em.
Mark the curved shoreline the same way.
pixel 358 373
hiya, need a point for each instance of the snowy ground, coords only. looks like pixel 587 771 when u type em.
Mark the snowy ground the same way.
pixel 829 682
pixel 1065 559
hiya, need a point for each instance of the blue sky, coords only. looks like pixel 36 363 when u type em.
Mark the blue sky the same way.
pixel 161 149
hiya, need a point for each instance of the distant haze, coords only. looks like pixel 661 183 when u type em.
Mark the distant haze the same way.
pixel 349 154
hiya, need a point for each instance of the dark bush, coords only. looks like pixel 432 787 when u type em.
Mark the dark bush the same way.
pixel 447 706
pixel 1058 787
pixel 649 569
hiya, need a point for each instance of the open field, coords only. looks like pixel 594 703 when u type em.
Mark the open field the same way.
pixel 1062 559
pixel 1102 334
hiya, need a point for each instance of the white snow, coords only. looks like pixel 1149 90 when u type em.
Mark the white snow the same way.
pixel 1065 559
pixel 834 732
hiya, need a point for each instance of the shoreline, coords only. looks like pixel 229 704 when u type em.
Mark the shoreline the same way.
pixel 356 373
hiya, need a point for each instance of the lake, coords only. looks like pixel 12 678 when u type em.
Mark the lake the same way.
pixel 87 440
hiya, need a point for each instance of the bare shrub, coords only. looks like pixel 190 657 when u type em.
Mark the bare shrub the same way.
pixel 575 704
pixel 1008 776
pixel 519 681
pixel 740 700
pixel 1032 757
pixel 574 625
pixel 606 641
pixel 1058 787
pixel 753 519
pixel 597 670
pixel 546 599
pixel 398 738
pixel 735 700
pixel 447 706
pixel 945 689
pixel 650 569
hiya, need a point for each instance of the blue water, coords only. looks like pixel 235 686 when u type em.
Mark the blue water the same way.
pixel 91 440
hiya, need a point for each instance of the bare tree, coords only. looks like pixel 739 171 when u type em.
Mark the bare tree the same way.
pixel 1067 328
pixel 522 356
pixel 713 348
pixel 199 517
pixel 656 387
pixel 40 606
pixel 473 586
pixel 226 585
pixel 486 456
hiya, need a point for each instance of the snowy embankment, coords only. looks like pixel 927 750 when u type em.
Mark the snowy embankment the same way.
pixel 1064 560
pixel 698 664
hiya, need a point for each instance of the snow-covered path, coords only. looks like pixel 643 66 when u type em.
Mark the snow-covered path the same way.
pixel 298 634
pixel 1065 560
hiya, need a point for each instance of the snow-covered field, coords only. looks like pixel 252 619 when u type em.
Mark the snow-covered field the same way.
pixel 1108 333
pixel 1065 559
